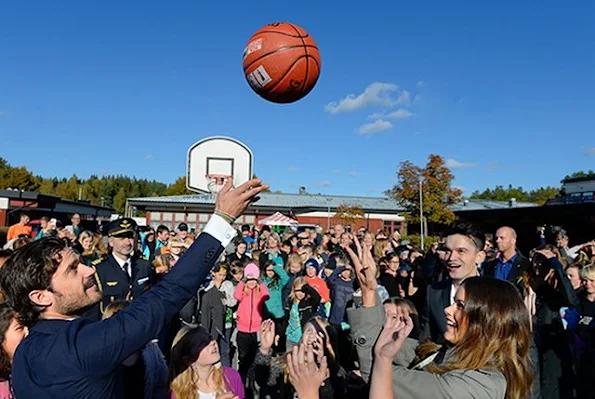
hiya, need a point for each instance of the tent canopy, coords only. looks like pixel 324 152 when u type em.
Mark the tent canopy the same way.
pixel 278 219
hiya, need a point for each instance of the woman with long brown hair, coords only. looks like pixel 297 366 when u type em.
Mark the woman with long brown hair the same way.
pixel 489 335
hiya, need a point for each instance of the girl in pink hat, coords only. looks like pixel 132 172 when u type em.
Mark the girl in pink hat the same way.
pixel 251 296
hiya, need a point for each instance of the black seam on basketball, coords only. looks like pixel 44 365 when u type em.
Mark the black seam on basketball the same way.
pixel 307 56
pixel 270 89
pixel 273 52
pixel 284 34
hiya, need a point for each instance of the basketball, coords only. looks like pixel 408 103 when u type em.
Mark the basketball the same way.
pixel 281 62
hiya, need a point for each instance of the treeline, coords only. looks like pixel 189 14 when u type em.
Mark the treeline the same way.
pixel 110 191
pixel 500 193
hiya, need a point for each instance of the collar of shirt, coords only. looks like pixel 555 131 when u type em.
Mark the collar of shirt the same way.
pixel 511 260
pixel 124 264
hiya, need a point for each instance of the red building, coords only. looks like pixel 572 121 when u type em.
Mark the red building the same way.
pixel 307 209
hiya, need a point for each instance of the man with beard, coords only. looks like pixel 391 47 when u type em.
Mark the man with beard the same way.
pixel 462 253
pixel 65 356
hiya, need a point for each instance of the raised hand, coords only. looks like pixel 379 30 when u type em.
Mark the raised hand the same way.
pixel 365 270
pixel 305 375
pixel 234 202
pixel 318 346
pixel 267 336
pixel 396 330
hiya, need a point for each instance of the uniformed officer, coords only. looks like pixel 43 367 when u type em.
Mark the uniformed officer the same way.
pixel 122 274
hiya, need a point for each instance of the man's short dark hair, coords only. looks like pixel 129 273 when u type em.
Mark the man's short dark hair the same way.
pixel 161 228
pixel 468 230
pixel 30 268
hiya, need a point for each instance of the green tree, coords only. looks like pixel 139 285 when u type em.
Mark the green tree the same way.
pixel 19 178
pixel 179 187
pixel 438 195
pixel 580 175
pixel 499 193
pixel 119 201
pixel 543 194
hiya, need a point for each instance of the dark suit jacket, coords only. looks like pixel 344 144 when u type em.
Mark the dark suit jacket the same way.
pixel 521 265
pixel 79 358
pixel 433 319
pixel 116 285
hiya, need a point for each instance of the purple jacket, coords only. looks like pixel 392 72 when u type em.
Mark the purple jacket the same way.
pixel 234 383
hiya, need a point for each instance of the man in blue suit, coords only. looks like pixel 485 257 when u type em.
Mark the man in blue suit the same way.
pixel 65 356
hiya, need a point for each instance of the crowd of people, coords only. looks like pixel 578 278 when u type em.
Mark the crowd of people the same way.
pixel 256 313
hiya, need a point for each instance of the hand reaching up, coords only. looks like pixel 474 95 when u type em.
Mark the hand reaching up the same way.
pixel 305 374
pixel 396 329
pixel 234 202
pixel 365 270
pixel 267 336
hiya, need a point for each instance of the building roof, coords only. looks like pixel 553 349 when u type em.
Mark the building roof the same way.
pixel 323 202
pixel 294 201
pixel 51 203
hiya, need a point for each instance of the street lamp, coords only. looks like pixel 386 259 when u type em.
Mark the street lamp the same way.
pixel 421 211
pixel 328 214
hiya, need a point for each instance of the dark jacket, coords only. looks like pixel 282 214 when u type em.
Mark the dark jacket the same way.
pixel 116 285
pixel 341 293
pixel 521 265
pixel 212 311
pixel 308 307
pixel 433 320
pixel 80 358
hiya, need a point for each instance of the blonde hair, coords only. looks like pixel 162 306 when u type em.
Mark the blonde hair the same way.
pixel 293 259
pixel 163 260
pixel 297 283
pixel 588 272
pixel 184 385
pixel 379 245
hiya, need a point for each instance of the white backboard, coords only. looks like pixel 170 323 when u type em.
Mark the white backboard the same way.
pixel 217 155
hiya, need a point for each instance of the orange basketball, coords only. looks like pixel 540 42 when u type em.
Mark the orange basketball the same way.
pixel 281 62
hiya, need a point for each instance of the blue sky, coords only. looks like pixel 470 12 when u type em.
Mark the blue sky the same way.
pixel 503 90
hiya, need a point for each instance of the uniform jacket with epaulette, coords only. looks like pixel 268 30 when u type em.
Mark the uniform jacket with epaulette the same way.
pixel 117 285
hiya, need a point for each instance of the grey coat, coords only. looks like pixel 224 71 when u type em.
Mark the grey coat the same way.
pixel 366 324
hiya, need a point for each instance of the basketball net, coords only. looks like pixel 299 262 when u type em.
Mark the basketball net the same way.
pixel 216 183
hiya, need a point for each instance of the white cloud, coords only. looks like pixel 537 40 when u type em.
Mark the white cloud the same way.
pixel 148 157
pixel 375 127
pixel 292 169
pixel 353 173
pixel 378 93
pixel 420 83
pixel 401 113
pixel 404 97
pixel 590 151
pixel 336 170
pixel 324 183
pixel 454 164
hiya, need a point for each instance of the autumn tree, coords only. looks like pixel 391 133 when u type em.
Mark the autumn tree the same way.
pixel 438 195
pixel 349 214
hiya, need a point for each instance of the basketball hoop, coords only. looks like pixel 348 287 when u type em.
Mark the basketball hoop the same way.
pixel 216 183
